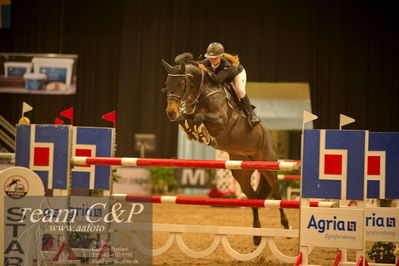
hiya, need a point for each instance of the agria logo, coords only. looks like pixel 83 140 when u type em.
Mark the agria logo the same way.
pixel 334 224
pixel 378 221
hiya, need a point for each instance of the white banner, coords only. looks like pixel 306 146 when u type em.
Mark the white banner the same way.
pixel 332 228
pixel 381 224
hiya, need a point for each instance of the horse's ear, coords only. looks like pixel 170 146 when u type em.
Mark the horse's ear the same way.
pixel 182 68
pixel 167 67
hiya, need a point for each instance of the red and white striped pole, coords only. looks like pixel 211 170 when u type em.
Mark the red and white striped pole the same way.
pixel 184 163
pixel 289 177
pixel 222 201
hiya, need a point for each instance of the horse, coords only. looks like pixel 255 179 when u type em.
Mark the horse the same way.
pixel 13 182
pixel 204 111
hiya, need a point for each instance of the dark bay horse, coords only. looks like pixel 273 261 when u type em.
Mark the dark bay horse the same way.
pixel 202 109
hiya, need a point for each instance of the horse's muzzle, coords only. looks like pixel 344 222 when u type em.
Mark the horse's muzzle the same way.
pixel 172 110
pixel 172 116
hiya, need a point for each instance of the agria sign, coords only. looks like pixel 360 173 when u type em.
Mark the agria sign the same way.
pixel 344 228
pixel 381 224
pixel 330 228
pixel 334 224
pixel 379 221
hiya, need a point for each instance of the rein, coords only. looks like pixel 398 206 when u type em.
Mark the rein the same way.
pixel 195 101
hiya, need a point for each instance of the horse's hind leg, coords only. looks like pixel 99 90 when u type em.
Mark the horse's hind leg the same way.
pixel 243 177
pixel 268 153
pixel 272 180
pixel 263 189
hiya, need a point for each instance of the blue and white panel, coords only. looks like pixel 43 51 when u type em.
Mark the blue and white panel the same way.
pixel 382 173
pixel 333 164
pixel 45 149
pixel 92 142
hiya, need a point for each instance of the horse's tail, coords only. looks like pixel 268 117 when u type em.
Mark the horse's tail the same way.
pixel 234 60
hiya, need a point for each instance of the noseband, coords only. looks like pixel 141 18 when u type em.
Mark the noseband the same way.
pixel 184 98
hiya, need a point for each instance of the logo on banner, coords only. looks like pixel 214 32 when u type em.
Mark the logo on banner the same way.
pixel 16 187
pixel 380 221
pixel 333 224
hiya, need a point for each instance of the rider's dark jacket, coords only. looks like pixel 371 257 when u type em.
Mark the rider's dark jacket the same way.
pixel 224 73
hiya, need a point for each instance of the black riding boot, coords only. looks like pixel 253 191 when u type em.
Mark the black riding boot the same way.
pixel 253 119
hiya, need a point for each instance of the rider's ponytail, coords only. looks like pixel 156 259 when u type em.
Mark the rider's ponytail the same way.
pixel 234 60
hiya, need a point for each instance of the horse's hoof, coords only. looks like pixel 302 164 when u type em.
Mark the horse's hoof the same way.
pixel 257 240
pixel 285 224
pixel 288 227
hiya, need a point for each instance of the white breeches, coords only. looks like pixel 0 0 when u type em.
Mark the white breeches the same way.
pixel 239 84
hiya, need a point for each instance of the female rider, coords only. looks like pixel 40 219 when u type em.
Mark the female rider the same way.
pixel 224 68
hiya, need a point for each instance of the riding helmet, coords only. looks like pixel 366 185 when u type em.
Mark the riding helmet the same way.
pixel 214 50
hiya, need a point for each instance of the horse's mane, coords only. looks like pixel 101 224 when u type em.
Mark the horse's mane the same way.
pixel 184 58
pixel 188 58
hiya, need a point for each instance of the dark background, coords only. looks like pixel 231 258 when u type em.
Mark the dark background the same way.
pixel 346 50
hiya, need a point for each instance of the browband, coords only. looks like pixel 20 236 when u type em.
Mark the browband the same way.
pixel 179 75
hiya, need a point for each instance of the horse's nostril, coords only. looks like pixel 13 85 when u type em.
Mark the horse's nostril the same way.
pixel 171 115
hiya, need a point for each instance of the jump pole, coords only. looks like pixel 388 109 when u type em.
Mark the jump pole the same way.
pixel 289 177
pixel 184 163
pixel 254 203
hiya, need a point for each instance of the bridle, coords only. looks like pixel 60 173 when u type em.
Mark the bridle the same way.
pixel 184 99
pixel 175 97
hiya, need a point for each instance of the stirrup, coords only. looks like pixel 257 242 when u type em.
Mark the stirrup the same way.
pixel 253 120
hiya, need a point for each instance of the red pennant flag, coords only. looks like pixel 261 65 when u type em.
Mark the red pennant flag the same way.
pixel 68 113
pixel 111 117
pixel 58 121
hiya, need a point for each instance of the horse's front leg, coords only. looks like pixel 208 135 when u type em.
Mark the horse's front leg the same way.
pixel 195 132
pixel 187 126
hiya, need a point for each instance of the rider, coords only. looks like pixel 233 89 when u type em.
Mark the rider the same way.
pixel 225 68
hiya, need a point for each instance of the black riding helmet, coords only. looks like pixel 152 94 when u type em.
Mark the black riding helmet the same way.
pixel 214 50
